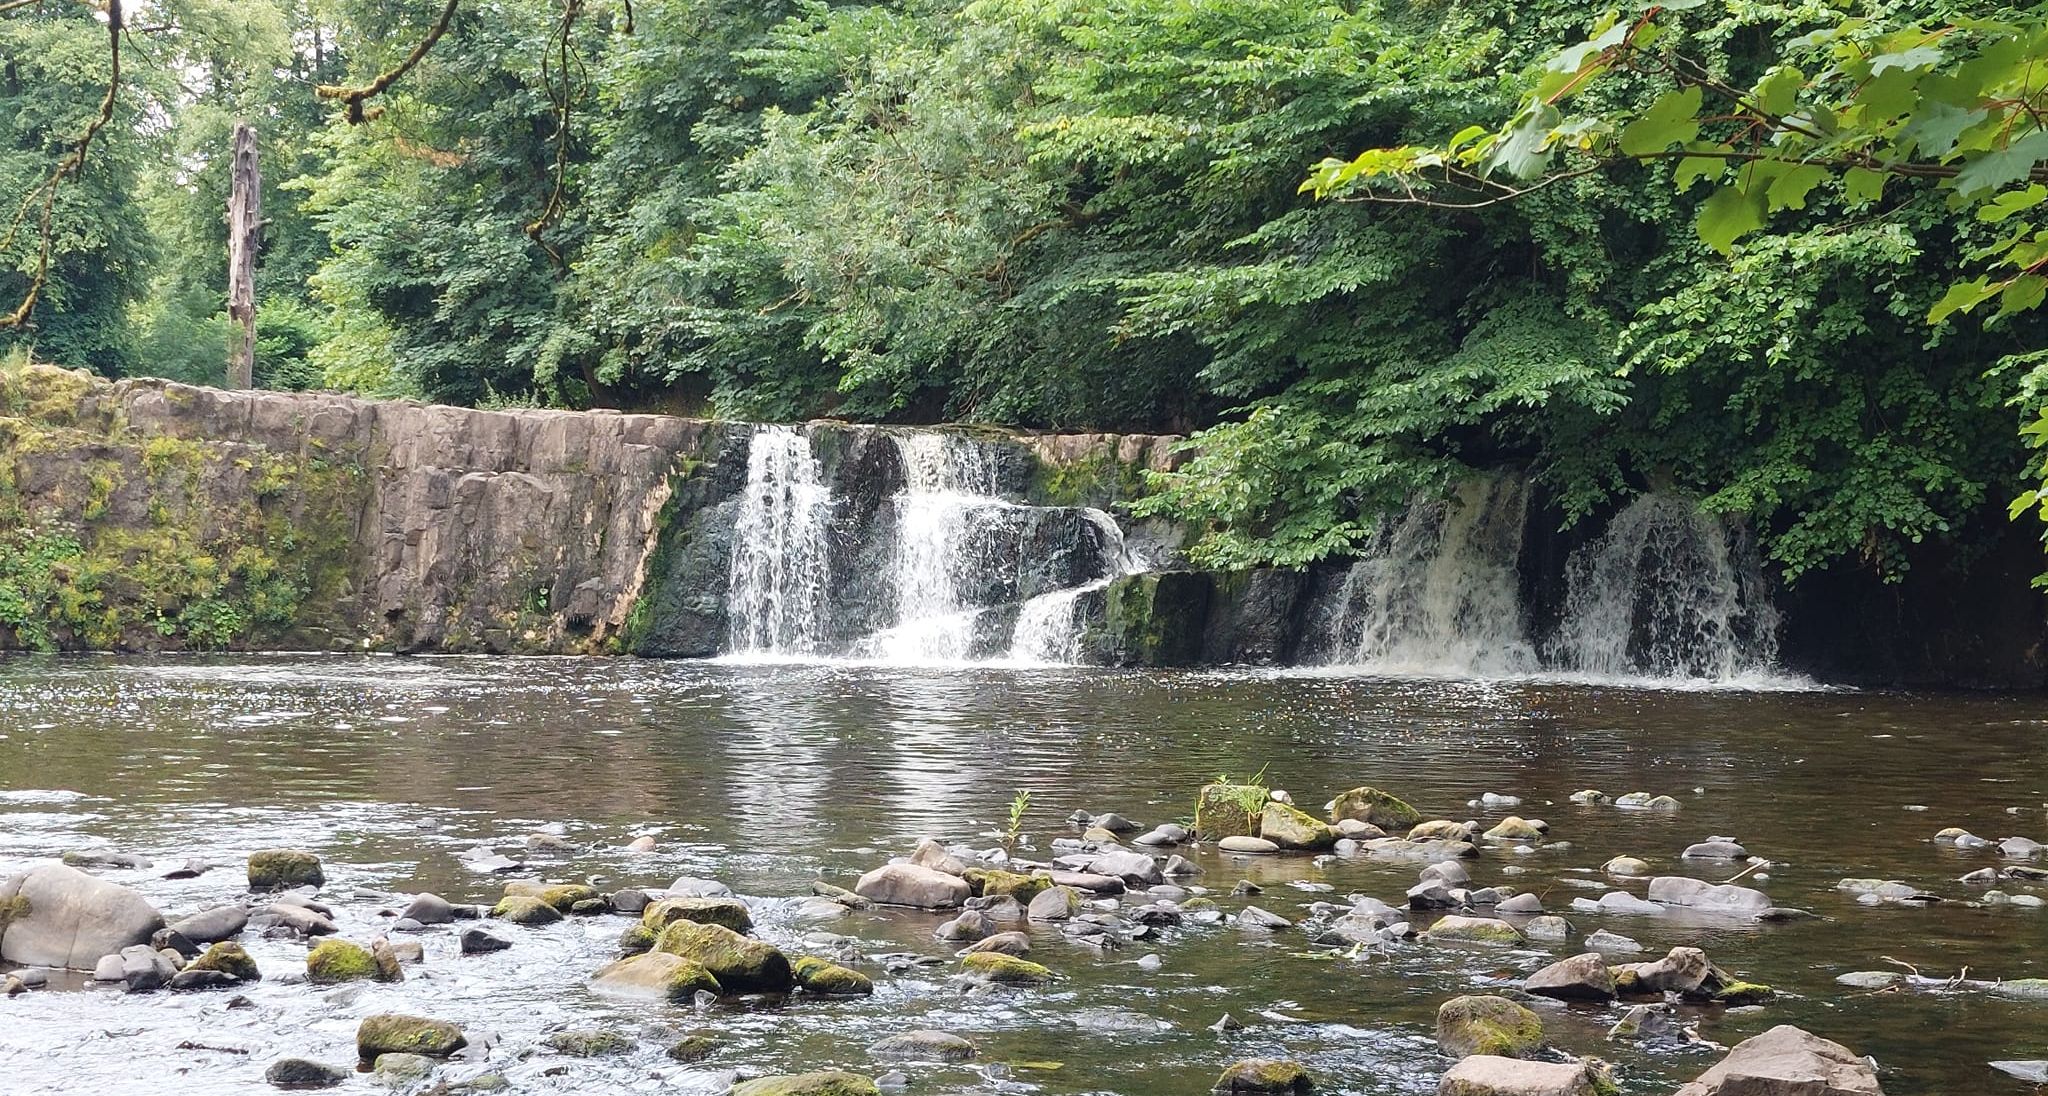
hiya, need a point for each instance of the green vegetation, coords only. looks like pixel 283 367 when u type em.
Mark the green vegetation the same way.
pixel 1741 251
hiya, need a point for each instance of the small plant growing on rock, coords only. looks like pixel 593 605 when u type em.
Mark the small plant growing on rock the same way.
pixel 1013 830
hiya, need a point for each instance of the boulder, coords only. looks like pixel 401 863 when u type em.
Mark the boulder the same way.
pixel 740 964
pixel 1684 971
pixel 1005 943
pixel 1474 930
pixel 588 1043
pixel 1263 1075
pixel 931 854
pixel 1134 868
pixel 1374 808
pixel 430 909
pixel 1787 1061
pixel 1252 917
pixel 520 909
pixel 1715 849
pixel 1057 904
pixel 826 1083
pixel 729 912
pixel 54 916
pixel 144 968
pixel 1516 828
pixel 1229 810
pixel 970 926
pixel 1579 978
pixel 1487 1025
pixel 475 941
pixel 996 883
pixel 1442 829
pixel 922 1046
pixel 210 926
pixel 1549 929
pixel 228 958
pixel 1291 829
pixel 1427 852
pixel 654 976
pixel 1626 866
pixel 1491 1075
pixel 280 869
pixel 1679 890
pixel 1524 903
pixel 1005 970
pixel 912 885
pixel 395 1033
pixel 335 960
pixel 828 979
pixel 1248 846
pixel 303 1073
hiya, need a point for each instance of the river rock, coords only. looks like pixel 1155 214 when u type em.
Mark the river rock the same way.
pixel 144 968
pixel 970 926
pixel 828 979
pixel 1449 872
pixel 1006 943
pixel 1263 1075
pixel 922 1046
pixel 521 909
pixel 1871 979
pixel 279 869
pixel 1180 867
pixel 740 964
pixel 1549 929
pixel 1621 902
pixel 56 916
pixel 1114 823
pixel 396 1033
pixel 1134 868
pixel 913 885
pixel 1524 903
pixel 1487 1025
pixel 1516 828
pixel 187 980
pixel 1443 829
pixel 1291 829
pixel 1492 1075
pixel 824 1083
pixel 729 912
pixel 1056 904
pixel 475 941
pixel 996 968
pixel 1229 810
pixel 1088 881
pixel 1473 930
pixel 301 919
pixel 211 926
pixel 1374 808
pixel 689 886
pixel 1612 943
pixel 1252 917
pixel 1428 852
pixel 1787 1061
pixel 1626 866
pixel 1580 978
pixel 1433 894
pixel 1248 846
pixel 1003 907
pixel 170 939
pixel 1714 849
pixel 1679 890
pixel 228 958
pixel 430 909
pixel 396 1069
pixel 655 976
pixel 1590 796
pixel 2019 848
pixel 2033 1072
pixel 303 1073
pixel 335 960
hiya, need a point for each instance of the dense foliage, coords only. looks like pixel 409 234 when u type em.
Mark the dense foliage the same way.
pixel 1068 214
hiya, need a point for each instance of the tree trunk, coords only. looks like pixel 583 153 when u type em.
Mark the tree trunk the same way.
pixel 245 231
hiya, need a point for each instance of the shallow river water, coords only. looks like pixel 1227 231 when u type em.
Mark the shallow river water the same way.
pixel 769 777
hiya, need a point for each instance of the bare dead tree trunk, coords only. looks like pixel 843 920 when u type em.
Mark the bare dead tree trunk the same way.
pixel 245 230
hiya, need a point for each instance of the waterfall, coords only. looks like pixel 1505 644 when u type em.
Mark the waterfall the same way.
pixel 949 491
pixel 1437 590
pixel 776 588
pixel 1666 591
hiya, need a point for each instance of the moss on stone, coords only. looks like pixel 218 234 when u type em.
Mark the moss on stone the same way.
pixel 565 896
pixel 229 958
pixel 1229 810
pixel 333 961
pixel 588 1044
pixel 273 869
pixel 1292 829
pixel 740 964
pixel 637 938
pixel 1264 1075
pixel 1374 807
pixel 1006 970
pixel 826 978
pixel 522 909
pixel 694 1047
pixel 727 912
pixel 1743 993
pixel 1487 1025
pixel 828 1083
pixel 994 881
pixel 394 1033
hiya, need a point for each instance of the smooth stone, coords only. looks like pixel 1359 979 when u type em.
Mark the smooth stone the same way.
pixel 1871 979
pixel 691 887
pixel 1054 904
pixel 475 941
pixel 1006 943
pixel 1679 890
pixel 143 969
pixel 1524 903
pixel 1626 866
pixel 1134 868
pixel 279 869
pixel 58 916
pixel 822 1083
pixel 398 1069
pixel 1787 1060
pixel 922 1046
pixel 1263 1075
pixel 1248 846
pixel 213 925
pixel 202 979
pixel 1612 943
pixel 429 909
pixel 968 927
pixel 1449 872
pixel 1252 917
pixel 2033 1072
pixel 303 1073
pixel 1492 1075
pixel 1474 930
pixel 1582 977
pixel 1548 929
pixel 1714 850
pixel 1178 867
pixel 913 885
pixel 1487 1025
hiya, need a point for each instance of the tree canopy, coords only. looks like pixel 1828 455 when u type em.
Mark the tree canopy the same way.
pixel 1741 250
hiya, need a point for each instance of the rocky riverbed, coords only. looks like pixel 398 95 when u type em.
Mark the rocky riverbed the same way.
pixel 1473 890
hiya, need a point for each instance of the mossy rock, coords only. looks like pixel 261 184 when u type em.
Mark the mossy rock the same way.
pixel 637 939
pixel 566 896
pixel 1005 970
pixel 522 909
pixel 740 964
pixel 395 1033
pixel 1474 930
pixel 1375 808
pixel 588 1043
pixel 1229 810
pixel 694 1048
pixel 655 976
pixel 827 1083
pixel 1199 903
pixel 1264 1075
pixel 228 958
pixel 333 961
pixel 1735 994
pixel 277 869
pixel 1291 829
pixel 993 881
pixel 829 979
pixel 1627 983
pixel 1487 1025
pixel 726 912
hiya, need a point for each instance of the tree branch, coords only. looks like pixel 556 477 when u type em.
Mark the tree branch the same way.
pixel 354 97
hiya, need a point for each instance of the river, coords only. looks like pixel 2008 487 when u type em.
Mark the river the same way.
pixel 768 777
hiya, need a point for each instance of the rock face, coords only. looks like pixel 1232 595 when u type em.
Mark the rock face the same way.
pixel 57 916
pixel 1787 1061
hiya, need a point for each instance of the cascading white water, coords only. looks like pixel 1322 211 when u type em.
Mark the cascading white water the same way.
pixel 949 485
pixel 776 591
pixel 1666 591
pixel 1049 626
pixel 1437 590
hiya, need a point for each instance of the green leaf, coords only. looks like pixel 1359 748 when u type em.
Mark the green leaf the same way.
pixel 1694 168
pixel 2011 202
pixel 2003 166
pixel 1672 119
pixel 1728 216
pixel 1788 191
pixel 1861 186
pixel 1936 126
pixel 1778 91
pixel 1526 150
pixel 1909 60
pixel 2023 294
pixel 1961 297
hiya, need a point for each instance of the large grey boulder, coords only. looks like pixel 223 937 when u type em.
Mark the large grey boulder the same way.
pixel 1679 890
pixel 911 885
pixel 57 916
pixel 1787 1061
pixel 214 925
pixel 1492 1075
pixel 1579 978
